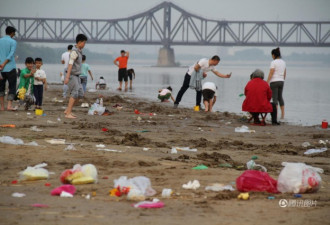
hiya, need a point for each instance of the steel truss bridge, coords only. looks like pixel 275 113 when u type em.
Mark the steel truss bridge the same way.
pixel 167 24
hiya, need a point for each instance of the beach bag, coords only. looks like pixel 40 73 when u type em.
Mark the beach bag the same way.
pixel 253 180
pixel 299 178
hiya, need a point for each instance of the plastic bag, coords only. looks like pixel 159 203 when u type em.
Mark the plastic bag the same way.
pixel 10 140
pixel 85 174
pixel 67 188
pixel 219 187
pixel 192 185
pixel 36 172
pixel 136 188
pixel 96 109
pixel 251 165
pixel 244 129
pixel 253 180
pixel 155 203
pixel 299 178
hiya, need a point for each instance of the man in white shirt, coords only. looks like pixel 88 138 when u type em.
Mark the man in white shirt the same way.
pixel 65 60
pixel 205 65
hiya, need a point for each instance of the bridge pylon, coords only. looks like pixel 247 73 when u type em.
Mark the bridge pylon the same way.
pixel 166 57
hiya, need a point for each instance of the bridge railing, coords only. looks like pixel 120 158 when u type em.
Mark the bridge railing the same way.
pixel 167 24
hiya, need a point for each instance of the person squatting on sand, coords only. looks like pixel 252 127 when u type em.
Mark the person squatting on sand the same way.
pixel 209 91
pixel 72 76
pixel 203 65
pixel 101 84
pixel 165 94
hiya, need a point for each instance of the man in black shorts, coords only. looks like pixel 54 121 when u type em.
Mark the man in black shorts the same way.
pixel 121 62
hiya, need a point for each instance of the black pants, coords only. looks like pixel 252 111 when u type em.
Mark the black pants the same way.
pixel 274 113
pixel 12 80
pixel 184 88
pixel 38 92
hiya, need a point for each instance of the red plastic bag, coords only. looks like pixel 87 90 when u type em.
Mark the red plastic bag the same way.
pixel 67 188
pixel 253 180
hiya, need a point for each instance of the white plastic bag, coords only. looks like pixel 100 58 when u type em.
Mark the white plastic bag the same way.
pixel 244 129
pixel 10 140
pixel 192 185
pixel 251 165
pixel 36 172
pixel 96 109
pixel 139 187
pixel 219 187
pixel 299 178
pixel 85 174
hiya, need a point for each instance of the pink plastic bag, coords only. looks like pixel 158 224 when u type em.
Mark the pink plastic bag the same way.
pixel 67 188
pixel 253 180
pixel 149 204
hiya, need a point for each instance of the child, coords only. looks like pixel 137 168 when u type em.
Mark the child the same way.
pixel 209 91
pixel 101 84
pixel 165 94
pixel 27 80
pixel 39 82
pixel 131 76
pixel 83 76
pixel 72 76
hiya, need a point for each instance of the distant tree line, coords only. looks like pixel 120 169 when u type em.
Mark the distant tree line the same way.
pixel 255 54
pixel 53 55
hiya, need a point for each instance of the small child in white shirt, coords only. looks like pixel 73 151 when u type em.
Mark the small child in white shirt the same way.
pixel 101 84
pixel 39 83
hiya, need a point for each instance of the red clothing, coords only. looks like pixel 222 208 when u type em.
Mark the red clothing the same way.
pixel 122 62
pixel 258 95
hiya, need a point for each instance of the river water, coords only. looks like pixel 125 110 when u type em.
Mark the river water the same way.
pixel 306 90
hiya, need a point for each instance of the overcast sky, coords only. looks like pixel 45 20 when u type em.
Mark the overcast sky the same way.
pixel 218 9
pixel 279 10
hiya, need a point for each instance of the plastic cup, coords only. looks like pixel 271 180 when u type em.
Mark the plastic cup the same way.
pixel 324 124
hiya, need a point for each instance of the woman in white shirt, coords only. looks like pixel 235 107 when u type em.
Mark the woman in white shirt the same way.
pixel 276 78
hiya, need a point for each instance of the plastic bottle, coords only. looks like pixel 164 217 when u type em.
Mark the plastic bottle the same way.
pixel 101 102
pixel 250 164
pixel 166 193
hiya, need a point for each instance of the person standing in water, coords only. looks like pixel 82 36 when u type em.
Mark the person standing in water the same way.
pixel 121 62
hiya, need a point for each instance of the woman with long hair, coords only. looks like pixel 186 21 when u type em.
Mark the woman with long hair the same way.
pixel 276 78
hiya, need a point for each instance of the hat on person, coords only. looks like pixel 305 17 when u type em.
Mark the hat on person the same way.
pixel 258 74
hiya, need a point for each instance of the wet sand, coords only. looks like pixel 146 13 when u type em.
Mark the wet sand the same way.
pixel 212 134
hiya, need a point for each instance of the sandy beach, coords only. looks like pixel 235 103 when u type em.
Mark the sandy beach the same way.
pixel 159 128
